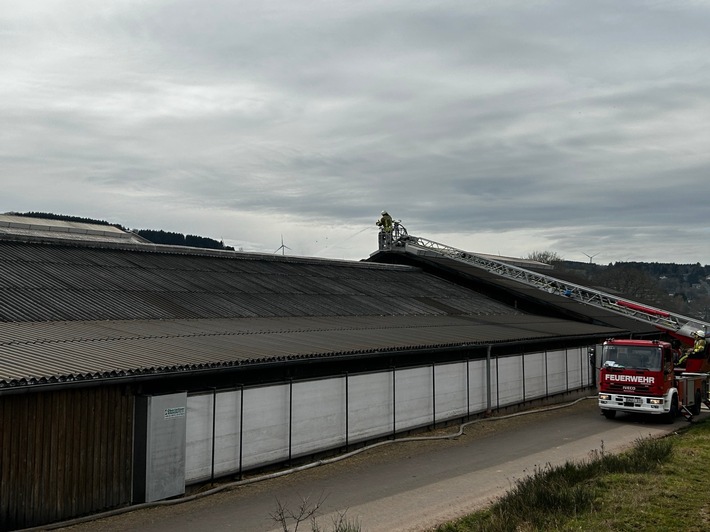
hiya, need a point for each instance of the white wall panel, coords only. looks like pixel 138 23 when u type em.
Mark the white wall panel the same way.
pixel 478 395
pixel 329 413
pixel 574 369
pixel 451 390
pixel 161 447
pixel 370 405
pixel 265 425
pixel 510 380
pixel 318 415
pixel 227 432
pixel 198 452
pixel 534 375
pixel 556 372
pixel 413 393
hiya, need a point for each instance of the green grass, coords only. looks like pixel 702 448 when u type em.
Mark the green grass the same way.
pixel 660 484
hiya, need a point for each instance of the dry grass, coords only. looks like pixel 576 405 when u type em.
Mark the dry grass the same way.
pixel 660 484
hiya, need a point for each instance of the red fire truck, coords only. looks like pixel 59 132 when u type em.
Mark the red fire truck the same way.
pixel 641 376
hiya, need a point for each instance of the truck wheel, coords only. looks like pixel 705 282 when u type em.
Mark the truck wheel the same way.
pixel 695 409
pixel 673 412
pixel 609 414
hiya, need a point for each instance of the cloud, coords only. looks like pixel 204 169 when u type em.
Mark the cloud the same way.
pixel 501 126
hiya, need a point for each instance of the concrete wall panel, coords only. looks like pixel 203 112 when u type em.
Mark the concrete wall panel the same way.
pixel 318 415
pixel 535 375
pixel 510 380
pixel 451 392
pixel 265 425
pixel 556 372
pixel 198 454
pixel 478 382
pixel 414 397
pixel 227 432
pixel 370 406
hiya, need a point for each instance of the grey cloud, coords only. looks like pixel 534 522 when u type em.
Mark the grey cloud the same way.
pixel 576 123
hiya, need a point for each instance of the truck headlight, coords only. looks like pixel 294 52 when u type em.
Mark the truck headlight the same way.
pixel 604 396
pixel 656 401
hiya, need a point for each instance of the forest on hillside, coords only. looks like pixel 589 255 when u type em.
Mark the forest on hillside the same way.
pixel 679 288
pixel 156 236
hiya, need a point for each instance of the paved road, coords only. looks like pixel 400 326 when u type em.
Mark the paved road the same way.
pixel 405 486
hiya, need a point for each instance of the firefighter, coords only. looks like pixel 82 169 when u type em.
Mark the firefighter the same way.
pixel 698 347
pixel 385 222
pixel 386 225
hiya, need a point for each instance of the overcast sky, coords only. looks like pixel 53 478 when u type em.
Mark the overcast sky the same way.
pixel 501 127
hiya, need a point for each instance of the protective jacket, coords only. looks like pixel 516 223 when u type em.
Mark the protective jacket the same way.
pixel 385 223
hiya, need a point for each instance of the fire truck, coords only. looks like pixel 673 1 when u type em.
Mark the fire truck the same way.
pixel 641 376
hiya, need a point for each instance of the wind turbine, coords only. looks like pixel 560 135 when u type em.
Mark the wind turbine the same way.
pixel 590 256
pixel 283 247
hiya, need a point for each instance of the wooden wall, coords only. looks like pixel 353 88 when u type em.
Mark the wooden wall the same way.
pixel 64 454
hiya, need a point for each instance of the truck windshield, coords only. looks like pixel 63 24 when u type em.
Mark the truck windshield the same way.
pixel 631 357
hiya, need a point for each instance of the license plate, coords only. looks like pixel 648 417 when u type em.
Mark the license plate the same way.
pixel 633 400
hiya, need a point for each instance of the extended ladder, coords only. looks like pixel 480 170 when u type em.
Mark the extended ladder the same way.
pixel 661 318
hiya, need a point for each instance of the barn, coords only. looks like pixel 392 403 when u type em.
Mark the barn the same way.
pixel 131 372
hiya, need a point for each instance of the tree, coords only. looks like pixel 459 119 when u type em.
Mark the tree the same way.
pixel 546 257
pixel 635 284
pixel 178 239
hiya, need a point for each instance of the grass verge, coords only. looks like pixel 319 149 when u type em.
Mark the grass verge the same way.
pixel 659 484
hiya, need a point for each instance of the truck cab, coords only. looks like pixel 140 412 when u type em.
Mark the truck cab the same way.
pixel 639 376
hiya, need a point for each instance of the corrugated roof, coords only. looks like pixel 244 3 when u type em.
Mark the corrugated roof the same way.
pixel 43 353
pixel 71 311
pixel 40 282
pixel 28 227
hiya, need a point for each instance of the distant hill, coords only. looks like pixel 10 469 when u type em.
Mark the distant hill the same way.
pixel 66 218
pixel 178 239
pixel 680 288
pixel 152 235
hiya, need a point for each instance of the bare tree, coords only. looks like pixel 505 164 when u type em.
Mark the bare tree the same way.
pixel 308 512
pixel 633 283
pixel 546 257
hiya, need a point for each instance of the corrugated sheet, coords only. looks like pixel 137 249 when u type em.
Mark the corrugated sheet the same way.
pixel 73 312
pixel 42 353
pixel 63 283
pixel 21 227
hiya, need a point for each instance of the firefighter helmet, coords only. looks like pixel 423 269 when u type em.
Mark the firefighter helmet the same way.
pixel 384 212
pixel 700 334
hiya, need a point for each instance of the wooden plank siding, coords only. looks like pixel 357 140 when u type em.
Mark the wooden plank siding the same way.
pixel 64 454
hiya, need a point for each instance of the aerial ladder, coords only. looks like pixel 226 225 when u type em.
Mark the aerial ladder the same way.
pixel 677 324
